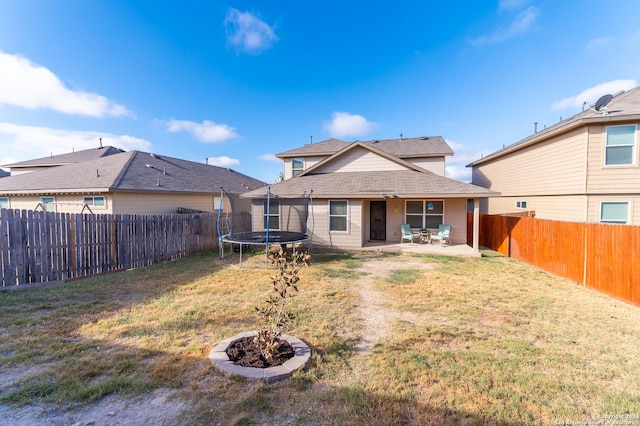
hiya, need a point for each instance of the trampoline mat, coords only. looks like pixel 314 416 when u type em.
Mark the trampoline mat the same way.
pixel 276 237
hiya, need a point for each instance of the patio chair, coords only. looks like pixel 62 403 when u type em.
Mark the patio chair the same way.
pixel 407 234
pixel 444 233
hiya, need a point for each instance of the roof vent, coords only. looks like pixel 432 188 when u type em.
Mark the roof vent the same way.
pixel 401 137
pixel 153 155
pixel 424 138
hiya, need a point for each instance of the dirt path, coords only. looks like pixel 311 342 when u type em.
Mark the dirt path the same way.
pixel 376 316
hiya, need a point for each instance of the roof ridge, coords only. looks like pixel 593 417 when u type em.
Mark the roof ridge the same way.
pixel 124 168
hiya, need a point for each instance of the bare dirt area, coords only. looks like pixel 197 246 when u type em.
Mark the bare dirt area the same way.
pixel 376 316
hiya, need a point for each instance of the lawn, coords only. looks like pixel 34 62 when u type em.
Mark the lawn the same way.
pixel 473 341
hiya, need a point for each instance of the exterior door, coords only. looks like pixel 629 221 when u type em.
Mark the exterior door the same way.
pixel 378 220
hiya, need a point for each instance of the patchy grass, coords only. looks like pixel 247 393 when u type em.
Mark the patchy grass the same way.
pixel 490 341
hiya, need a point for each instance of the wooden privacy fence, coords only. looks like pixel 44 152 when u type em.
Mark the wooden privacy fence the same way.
pixel 45 246
pixel 601 256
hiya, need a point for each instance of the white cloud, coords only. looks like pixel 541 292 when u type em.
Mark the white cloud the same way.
pixel 522 23
pixel 247 33
pixel 343 125
pixel 223 161
pixel 592 94
pixel 28 85
pixel 207 131
pixel 27 142
pixel 463 155
pixel 598 44
pixel 270 157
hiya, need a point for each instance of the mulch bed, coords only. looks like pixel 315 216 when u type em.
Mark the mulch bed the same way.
pixel 245 353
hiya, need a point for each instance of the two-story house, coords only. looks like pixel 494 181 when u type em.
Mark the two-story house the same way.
pixel 585 168
pixel 364 190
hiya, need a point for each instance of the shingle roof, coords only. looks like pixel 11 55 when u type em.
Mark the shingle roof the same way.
pixel 3 173
pixel 625 106
pixel 68 158
pixel 131 171
pixel 400 183
pixel 406 148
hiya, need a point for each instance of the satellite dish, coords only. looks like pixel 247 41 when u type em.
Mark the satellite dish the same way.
pixel 602 102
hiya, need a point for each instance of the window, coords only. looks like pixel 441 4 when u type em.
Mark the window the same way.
pixel 425 213
pixel 338 216
pixel 521 204
pixel 620 145
pixel 48 204
pixel 614 212
pixel 272 216
pixel 97 201
pixel 4 202
pixel 297 166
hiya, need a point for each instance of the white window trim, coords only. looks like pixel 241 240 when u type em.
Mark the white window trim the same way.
pixel 627 202
pixel 304 166
pixel 424 211
pixel 94 206
pixel 265 213
pixel 8 202
pixel 634 153
pixel 44 205
pixel 329 215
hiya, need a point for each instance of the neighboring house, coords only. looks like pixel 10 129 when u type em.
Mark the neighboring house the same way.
pixel 585 168
pixel 364 191
pixel 61 160
pixel 129 182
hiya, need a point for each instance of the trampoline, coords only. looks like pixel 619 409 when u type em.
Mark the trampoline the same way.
pixel 272 220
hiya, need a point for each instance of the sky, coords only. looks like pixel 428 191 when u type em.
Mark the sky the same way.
pixel 238 82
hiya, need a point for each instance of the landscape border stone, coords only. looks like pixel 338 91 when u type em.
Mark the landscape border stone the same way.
pixel 300 360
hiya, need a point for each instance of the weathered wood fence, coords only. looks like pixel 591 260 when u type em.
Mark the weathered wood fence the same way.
pixel 601 256
pixel 40 247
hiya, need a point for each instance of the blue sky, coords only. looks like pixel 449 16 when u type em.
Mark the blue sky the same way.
pixel 237 82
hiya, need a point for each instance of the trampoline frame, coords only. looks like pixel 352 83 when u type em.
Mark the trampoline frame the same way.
pixel 270 236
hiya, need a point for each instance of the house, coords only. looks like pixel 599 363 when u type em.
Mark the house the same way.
pixel 60 160
pixel 131 182
pixel 364 190
pixel 585 168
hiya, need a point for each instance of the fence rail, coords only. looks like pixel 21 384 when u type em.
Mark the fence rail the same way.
pixel 600 256
pixel 40 247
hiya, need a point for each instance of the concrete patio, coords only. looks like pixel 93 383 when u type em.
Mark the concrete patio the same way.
pixel 422 248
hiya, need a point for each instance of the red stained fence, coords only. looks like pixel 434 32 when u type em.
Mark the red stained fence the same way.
pixel 40 247
pixel 601 256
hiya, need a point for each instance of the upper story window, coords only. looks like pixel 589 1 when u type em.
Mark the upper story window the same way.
pixel 4 202
pixel 297 166
pixel 620 145
pixel 614 212
pixel 272 214
pixel 97 201
pixel 521 204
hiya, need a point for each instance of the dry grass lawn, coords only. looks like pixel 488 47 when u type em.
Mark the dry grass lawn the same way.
pixel 473 341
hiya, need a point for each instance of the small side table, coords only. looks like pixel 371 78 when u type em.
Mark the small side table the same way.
pixel 425 237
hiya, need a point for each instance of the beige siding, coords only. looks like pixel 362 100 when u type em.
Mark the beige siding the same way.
pixel 353 238
pixel 433 164
pixel 455 214
pixel 610 179
pixel 632 199
pixel 308 162
pixel 359 160
pixel 139 203
pixel 553 167
pixel 570 208
pixel 63 203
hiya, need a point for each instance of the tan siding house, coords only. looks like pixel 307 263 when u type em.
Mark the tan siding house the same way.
pixel 122 182
pixel 374 187
pixel 585 168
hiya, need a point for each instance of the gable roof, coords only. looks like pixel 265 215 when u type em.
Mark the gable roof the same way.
pixel 131 171
pixel 426 146
pixel 354 185
pixel 624 106
pixel 366 146
pixel 68 158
